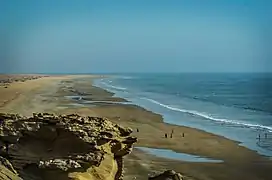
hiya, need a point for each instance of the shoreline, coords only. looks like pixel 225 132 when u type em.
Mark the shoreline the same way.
pixel 251 141
pixel 212 145
pixel 238 161
pixel 162 120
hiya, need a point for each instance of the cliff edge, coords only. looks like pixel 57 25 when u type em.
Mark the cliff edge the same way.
pixel 48 147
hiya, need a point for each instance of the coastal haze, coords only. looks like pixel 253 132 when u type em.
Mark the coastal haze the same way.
pixel 192 79
pixel 183 36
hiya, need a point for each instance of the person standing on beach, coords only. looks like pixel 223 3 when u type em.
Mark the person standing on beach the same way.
pixel 172 133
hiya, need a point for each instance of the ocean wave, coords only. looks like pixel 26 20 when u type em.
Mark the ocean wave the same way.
pixel 241 106
pixel 126 77
pixel 114 87
pixel 196 113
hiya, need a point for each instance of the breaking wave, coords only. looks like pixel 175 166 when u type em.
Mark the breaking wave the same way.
pixel 114 87
pixel 209 117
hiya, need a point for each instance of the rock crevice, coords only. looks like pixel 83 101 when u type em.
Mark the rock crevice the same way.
pixel 46 146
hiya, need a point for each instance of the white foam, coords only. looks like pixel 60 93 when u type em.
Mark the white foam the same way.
pixel 203 115
pixel 114 87
pixel 126 77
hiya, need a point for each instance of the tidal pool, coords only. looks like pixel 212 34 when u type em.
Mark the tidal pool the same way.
pixel 166 153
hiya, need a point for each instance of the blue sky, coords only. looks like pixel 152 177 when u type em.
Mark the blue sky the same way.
pixel 70 36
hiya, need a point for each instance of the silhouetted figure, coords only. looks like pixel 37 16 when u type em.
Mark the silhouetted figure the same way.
pixel 165 135
pixel 259 137
pixel 183 135
pixel 137 130
pixel 172 133
pixel 265 135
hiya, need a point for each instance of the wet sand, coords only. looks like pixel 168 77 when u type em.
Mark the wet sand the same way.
pixel 51 94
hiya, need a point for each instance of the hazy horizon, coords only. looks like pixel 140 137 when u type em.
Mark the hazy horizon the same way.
pixel 124 36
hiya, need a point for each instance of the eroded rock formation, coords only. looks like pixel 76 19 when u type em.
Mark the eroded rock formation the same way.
pixel 62 147
pixel 167 175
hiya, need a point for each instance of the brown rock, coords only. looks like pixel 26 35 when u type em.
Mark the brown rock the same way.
pixel 7 164
pixel 167 175
pixel 62 144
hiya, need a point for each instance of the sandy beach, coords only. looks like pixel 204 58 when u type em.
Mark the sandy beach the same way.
pixel 75 94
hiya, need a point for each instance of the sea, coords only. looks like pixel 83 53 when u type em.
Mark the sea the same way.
pixel 237 106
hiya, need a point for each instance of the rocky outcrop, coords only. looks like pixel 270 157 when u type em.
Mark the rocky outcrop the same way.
pixel 63 147
pixel 167 175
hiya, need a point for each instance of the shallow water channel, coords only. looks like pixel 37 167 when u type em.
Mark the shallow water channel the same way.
pixel 166 153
